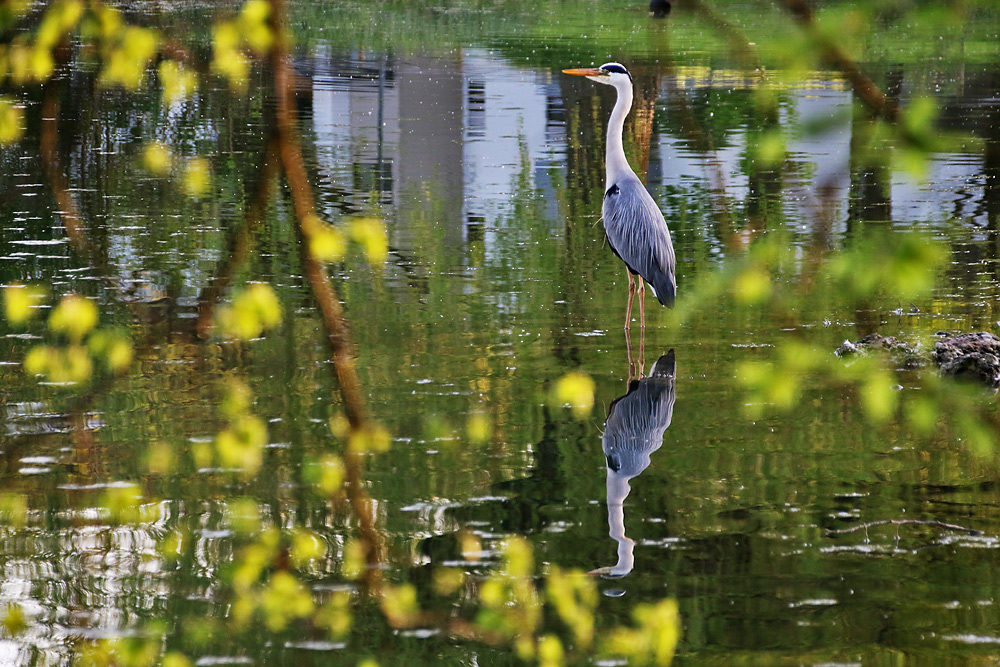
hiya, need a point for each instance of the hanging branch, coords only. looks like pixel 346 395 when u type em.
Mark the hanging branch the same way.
pixel 337 335
pixel 292 164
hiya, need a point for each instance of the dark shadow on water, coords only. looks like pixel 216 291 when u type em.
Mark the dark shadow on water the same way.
pixel 634 430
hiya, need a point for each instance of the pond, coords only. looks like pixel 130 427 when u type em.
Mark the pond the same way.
pixel 798 507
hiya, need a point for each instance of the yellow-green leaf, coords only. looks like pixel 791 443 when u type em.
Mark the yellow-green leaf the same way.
pixel 21 302
pixel 197 177
pixel 11 121
pixel 576 390
pixel 370 234
pixel 73 316
pixel 178 82
pixel 156 158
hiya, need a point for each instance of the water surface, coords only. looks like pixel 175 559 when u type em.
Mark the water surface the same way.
pixel 486 165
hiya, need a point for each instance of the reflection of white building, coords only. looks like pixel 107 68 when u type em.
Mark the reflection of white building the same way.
pixel 514 115
pixel 443 131
pixel 951 182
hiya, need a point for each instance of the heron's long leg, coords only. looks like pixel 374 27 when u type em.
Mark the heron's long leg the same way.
pixel 631 296
pixel 631 361
pixel 642 352
pixel 642 304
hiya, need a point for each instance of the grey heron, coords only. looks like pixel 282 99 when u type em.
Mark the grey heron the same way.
pixel 634 429
pixel 633 223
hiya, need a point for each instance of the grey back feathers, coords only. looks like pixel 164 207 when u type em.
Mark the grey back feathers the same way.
pixel 638 235
pixel 638 420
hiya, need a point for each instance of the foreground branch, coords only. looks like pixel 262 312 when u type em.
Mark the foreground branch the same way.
pixel 871 95
pixel 337 335
pixel 331 312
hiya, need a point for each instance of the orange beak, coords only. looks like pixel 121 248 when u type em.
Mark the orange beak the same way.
pixel 585 71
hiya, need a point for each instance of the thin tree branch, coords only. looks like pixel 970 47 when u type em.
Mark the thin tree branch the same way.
pixel 337 334
pixel 870 95
pixel 904 522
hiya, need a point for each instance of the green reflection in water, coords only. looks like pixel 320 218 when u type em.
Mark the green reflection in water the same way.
pixel 731 517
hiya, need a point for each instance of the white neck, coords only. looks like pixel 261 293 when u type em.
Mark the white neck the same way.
pixel 618 489
pixel 616 164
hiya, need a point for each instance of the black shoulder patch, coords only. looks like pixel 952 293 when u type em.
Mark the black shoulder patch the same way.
pixel 613 190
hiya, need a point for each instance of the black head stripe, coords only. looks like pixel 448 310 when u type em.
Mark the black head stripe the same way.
pixel 615 67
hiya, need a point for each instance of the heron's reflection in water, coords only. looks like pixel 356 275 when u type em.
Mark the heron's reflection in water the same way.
pixel 634 430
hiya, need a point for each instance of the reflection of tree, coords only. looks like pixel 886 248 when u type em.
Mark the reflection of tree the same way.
pixel 283 156
pixel 239 245
pixel 870 196
pixel 586 111
pixel 528 505
pixel 764 200
pixel 639 124
pixel 84 166
pixel 991 163
pixel 585 114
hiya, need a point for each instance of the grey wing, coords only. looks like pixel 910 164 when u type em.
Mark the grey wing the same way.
pixel 637 422
pixel 638 235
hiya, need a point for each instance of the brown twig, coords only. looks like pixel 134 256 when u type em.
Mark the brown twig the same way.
pixel 332 314
pixel 904 522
